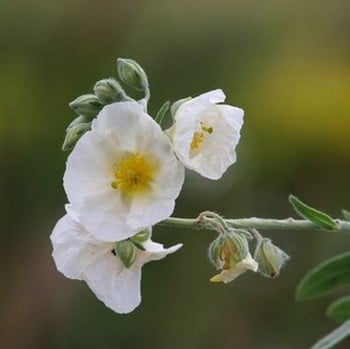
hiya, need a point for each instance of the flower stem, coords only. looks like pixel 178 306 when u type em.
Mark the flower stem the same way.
pixel 258 223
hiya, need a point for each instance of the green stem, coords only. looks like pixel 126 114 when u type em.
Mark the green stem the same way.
pixel 258 223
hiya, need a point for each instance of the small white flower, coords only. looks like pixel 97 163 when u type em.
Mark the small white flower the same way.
pixel 78 255
pixel 122 176
pixel 236 269
pixel 205 134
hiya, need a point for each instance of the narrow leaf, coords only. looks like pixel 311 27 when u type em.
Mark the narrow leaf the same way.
pixel 346 214
pixel 319 218
pixel 340 309
pixel 334 337
pixel 162 112
pixel 326 277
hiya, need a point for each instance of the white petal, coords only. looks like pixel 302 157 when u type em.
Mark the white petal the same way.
pixel 116 286
pixel 249 263
pixel 90 166
pixel 74 249
pixel 156 251
pixel 228 275
pixel 124 119
pixel 103 214
pixel 198 104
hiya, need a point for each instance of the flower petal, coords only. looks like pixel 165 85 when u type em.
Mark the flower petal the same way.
pixel 116 286
pixel 73 249
pixel 102 213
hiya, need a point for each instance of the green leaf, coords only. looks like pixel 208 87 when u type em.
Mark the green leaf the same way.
pixel 346 214
pixel 340 309
pixel 326 277
pixel 334 337
pixel 319 218
pixel 162 112
pixel 127 252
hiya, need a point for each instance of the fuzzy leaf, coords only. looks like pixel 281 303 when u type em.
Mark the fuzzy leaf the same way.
pixel 319 218
pixel 334 337
pixel 326 277
pixel 340 309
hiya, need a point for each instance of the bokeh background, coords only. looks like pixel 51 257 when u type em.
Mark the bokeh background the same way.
pixel 285 62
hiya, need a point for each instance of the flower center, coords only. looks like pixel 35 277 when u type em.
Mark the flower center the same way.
pixel 133 174
pixel 198 136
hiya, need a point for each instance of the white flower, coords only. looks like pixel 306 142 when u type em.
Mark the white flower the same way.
pixel 122 176
pixel 235 270
pixel 78 255
pixel 205 134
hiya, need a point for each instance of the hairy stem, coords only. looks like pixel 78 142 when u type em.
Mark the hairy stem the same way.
pixel 258 223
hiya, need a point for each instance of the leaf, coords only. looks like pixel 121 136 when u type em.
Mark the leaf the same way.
pixel 340 309
pixel 326 277
pixel 334 337
pixel 319 218
pixel 346 214
pixel 162 112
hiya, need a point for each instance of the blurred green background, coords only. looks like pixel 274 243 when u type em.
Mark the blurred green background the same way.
pixel 285 62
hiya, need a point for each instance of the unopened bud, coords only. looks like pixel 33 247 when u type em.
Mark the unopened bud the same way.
pixel 270 258
pixel 132 74
pixel 127 252
pixel 73 135
pixel 86 105
pixel 109 91
pixel 228 249
pixel 78 120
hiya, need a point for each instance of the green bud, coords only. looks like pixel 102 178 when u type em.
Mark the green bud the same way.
pixel 127 252
pixel 86 105
pixel 228 249
pixel 73 134
pixel 132 74
pixel 79 120
pixel 109 91
pixel 141 237
pixel 270 258
pixel 214 251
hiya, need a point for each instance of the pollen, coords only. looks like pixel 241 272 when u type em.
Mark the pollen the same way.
pixel 133 174
pixel 198 136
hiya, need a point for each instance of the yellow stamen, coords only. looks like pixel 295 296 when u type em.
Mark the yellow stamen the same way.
pixel 198 137
pixel 133 174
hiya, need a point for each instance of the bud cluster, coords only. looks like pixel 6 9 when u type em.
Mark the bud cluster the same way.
pixel 105 92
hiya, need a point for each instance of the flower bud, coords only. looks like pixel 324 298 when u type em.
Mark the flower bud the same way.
pixel 127 252
pixel 132 74
pixel 109 91
pixel 270 258
pixel 73 134
pixel 78 120
pixel 86 105
pixel 228 249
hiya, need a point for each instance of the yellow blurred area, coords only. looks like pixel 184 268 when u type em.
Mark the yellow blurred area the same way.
pixel 306 101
